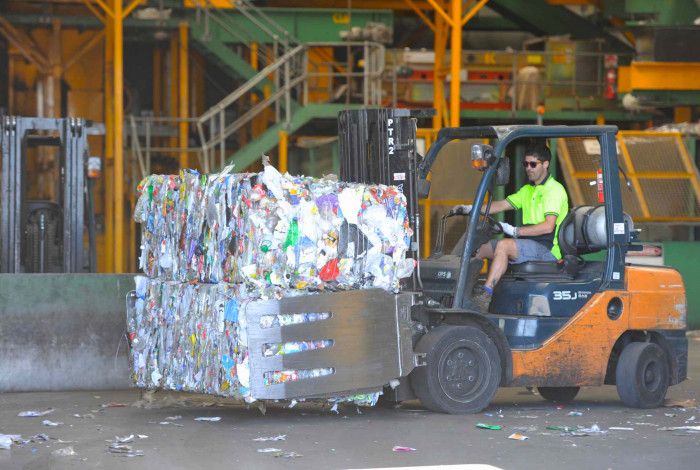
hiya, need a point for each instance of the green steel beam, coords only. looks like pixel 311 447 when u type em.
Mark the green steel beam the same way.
pixel 270 138
pixel 86 22
pixel 668 98
pixel 542 18
pixel 574 116
pixel 673 13
pixel 303 24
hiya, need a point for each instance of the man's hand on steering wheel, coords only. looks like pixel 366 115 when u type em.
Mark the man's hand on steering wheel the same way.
pixel 494 225
pixel 509 230
pixel 461 209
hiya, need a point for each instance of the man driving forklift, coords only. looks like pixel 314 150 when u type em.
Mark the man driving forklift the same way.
pixel 544 206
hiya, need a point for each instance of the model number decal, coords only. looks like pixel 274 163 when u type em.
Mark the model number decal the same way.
pixel 570 295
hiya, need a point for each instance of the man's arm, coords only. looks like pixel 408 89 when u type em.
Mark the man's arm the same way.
pixel 548 226
pixel 498 206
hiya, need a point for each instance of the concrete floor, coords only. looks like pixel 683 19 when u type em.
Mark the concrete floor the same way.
pixel 349 439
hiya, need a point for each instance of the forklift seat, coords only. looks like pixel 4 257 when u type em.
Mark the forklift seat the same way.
pixel 569 264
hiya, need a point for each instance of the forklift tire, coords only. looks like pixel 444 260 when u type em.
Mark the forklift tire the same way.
pixel 558 394
pixel 642 375
pixel 462 370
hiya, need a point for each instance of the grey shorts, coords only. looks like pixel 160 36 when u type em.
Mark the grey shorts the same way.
pixel 529 250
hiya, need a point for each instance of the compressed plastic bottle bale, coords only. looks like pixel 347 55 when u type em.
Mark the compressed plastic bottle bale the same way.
pixel 182 338
pixel 268 229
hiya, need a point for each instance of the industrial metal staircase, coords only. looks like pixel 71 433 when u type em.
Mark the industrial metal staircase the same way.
pixel 289 91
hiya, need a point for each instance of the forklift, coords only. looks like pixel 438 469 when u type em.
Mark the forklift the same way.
pixel 555 326
pixel 47 234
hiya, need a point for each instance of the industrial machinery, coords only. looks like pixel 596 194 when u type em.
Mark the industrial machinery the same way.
pixel 46 233
pixel 555 326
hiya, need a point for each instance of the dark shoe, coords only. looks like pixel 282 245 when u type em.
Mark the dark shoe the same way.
pixel 481 299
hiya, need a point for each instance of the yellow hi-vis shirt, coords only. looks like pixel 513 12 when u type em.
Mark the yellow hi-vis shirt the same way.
pixel 539 201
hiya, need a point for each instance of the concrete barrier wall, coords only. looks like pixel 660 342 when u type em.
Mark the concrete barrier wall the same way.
pixel 63 331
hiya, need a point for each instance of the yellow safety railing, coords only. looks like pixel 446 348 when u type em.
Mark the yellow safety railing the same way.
pixel 660 182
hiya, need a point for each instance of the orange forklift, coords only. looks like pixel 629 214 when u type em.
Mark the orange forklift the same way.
pixel 554 326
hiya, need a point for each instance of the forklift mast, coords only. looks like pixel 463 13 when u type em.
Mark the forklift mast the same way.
pixel 39 235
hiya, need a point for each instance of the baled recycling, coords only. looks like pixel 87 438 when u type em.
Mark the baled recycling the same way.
pixel 213 243
pixel 272 230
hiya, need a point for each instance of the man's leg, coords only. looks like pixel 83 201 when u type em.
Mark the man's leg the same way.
pixel 506 249
pixel 485 250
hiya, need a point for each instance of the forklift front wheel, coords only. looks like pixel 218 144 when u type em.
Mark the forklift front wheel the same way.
pixel 642 375
pixel 462 370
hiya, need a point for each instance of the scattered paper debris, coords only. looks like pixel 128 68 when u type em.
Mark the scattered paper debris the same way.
pixel 287 455
pixel 125 439
pixel 142 436
pixel 517 437
pixel 84 416
pixel 524 428
pixel 403 449
pixel 620 428
pixel 174 424
pixel 593 430
pixel 6 440
pixel 562 428
pixel 34 413
pixel 124 449
pixel 292 403
pixel 173 418
pixel 680 428
pixel 64 452
pixel 50 423
pixel 492 427
pixel 281 437
pixel 268 450
pixel 690 420
pixel 334 408
pixel 211 419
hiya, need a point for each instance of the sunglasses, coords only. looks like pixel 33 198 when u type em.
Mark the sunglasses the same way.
pixel 531 164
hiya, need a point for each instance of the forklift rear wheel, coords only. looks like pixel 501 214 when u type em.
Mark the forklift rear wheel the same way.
pixel 462 370
pixel 558 394
pixel 642 375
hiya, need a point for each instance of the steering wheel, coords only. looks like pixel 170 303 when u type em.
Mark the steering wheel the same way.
pixel 493 225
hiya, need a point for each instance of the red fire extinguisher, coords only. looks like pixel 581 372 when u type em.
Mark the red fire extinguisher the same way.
pixel 611 76
pixel 610 83
pixel 599 181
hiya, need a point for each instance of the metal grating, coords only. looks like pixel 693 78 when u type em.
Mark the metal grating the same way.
pixel 663 180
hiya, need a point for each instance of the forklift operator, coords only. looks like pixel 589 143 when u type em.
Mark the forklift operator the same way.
pixel 544 206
